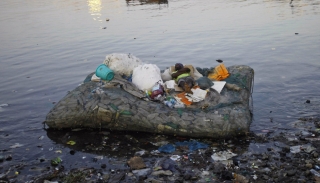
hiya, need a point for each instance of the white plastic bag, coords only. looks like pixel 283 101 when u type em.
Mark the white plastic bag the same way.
pixel 146 76
pixel 121 63
pixel 166 76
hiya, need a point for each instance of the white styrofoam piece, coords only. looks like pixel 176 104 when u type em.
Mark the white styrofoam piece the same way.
pixel 170 84
pixel 218 85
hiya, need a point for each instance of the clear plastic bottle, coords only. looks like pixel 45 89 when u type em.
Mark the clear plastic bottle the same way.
pixel 168 103
pixel 173 101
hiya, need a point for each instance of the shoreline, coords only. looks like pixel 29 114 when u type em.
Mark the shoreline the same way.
pixel 268 157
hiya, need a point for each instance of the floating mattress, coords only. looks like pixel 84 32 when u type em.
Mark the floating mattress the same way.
pixel 119 105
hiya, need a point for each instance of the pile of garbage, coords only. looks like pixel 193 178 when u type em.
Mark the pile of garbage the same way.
pixel 162 86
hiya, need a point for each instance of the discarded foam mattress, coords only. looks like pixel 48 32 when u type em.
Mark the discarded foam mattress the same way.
pixel 119 105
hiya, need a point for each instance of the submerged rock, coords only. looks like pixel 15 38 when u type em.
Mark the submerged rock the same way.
pixel 136 163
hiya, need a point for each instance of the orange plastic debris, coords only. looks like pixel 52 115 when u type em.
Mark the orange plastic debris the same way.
pixel 219 73
pixel 195 87
pixel 183 98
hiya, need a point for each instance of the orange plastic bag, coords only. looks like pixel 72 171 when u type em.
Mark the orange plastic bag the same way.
pixel 219 73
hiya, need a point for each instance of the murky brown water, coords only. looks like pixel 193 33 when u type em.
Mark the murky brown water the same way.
pixel 48 48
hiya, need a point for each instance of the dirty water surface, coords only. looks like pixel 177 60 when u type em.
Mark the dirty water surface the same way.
pixel 49 47
pixel 107 156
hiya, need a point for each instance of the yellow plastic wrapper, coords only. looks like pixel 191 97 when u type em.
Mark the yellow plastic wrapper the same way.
pixel 219 73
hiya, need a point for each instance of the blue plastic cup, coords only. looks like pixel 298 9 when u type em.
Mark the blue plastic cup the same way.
pixel 104 72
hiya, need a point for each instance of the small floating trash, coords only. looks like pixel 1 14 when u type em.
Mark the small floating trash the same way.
pixel 55 161
pixel 222 156
pixel 175 157
pixel 16 145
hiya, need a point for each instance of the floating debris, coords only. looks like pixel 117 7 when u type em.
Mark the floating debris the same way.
pixel 99 157
pixel 71 142
pixel 161 143
pixel 168 148
pixel 4 105
pixel 222 155
pixel 140 153
pixel 16 145
pixel 175 157
pixel 142 172
pixel 56 161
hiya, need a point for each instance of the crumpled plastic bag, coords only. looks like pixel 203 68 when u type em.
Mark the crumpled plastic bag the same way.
pixel 219 73
pixel 222 155
pixel 142 172
pixel 121 63
pixel 146 76
pixel 166 75
pixel 193 145
pixel 168 148
pixel 204 83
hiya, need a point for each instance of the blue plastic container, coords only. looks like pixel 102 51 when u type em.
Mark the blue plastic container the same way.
pixel 104 72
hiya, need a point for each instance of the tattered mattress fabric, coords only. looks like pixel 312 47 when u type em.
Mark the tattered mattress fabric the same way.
pixel 116 107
